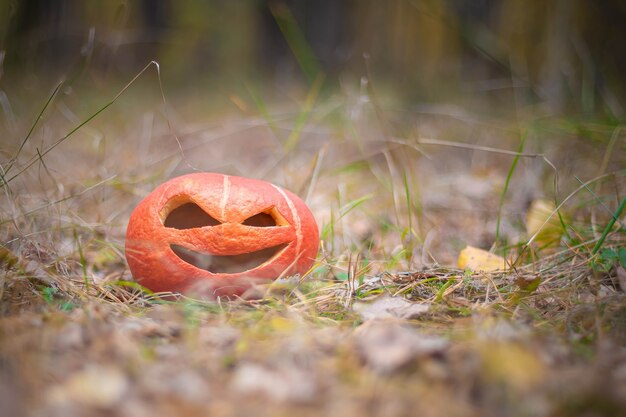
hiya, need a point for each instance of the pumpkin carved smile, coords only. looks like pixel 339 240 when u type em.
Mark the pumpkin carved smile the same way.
pixel 218 231
pixel 227 264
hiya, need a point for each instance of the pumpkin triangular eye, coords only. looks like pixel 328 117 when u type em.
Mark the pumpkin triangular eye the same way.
pixel 267 218
pixel 260 220
pixel 189 216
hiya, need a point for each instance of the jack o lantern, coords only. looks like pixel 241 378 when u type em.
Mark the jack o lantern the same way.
pixel 217 235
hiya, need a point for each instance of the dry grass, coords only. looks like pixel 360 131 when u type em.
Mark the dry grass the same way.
pixel 395 201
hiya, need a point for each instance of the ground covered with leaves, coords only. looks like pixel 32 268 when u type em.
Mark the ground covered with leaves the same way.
pixel 386 323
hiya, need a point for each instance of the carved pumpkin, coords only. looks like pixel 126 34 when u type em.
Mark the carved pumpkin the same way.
pixel 218 235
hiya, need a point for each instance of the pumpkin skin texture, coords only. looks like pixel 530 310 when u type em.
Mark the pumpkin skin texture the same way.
pixel 213 235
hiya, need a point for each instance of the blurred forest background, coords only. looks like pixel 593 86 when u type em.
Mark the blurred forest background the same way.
pixel 563 55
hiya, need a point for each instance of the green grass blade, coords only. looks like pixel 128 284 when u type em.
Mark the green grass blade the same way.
pixel 294 137
pixel 32 127
pixel 82 260
pixel 262 106
pixel 516 158
pixel 296 41
pixel 40 155
pixel 407 194
pixel 609 226
pixel 353 204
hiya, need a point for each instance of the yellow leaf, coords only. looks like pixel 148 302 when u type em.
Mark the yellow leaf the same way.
pixel 540 220
pixel 511 364
pixel 480 260
pixel 281 324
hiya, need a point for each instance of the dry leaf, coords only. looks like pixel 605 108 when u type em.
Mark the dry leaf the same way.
pixel 186 384
pixel 388 346
pixel 621 277
pixel 11 396
pixel 480 260
pixel 387 306
pixel 97 386
pixel 513 363
pixel 283 385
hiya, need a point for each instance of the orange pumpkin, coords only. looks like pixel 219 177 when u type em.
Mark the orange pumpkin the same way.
pixel 218 235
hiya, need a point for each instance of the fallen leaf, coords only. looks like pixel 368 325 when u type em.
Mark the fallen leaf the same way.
pixel 11 396
pixel 388 347
pixel 541 220
pixel 70 336
pixel 281 385
pixel 387 306
pixel 186 384
pixel 621 277
pixel 480 260
pixel 528 284
pixel 7 258
pixel 97 386
pixel 512 363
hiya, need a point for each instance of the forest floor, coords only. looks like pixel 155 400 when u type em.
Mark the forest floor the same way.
pixel 386 323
